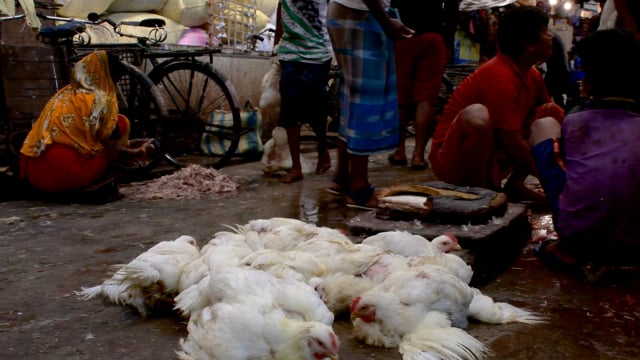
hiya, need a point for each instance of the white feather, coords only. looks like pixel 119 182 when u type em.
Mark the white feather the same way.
pixel 485 309
pixel 434 338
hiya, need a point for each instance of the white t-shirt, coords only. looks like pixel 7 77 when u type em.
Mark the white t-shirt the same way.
pixel 359 4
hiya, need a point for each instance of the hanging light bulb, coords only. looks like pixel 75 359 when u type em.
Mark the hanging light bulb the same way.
pixel 567 6
pixel 553 2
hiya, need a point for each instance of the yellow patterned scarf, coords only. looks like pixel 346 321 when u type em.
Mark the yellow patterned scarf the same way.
pixel 82 115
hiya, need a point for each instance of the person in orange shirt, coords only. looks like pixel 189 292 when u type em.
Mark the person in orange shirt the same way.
pixel 481 136
pixel 79 132
pixel 420 63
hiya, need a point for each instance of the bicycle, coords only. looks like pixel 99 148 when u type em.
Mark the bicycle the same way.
pixel 192 90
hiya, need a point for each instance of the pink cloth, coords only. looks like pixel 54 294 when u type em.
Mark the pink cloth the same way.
pixel 195 37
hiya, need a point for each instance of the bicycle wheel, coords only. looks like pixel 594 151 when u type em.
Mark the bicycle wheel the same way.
pixel 140 101
pixel 193 91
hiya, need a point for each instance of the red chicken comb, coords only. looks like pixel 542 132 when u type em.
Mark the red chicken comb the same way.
pixel 453 238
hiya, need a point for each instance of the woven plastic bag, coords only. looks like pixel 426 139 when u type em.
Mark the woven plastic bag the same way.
pixel 214 143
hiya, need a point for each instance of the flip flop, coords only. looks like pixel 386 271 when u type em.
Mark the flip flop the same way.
pixel 398 162
pixel 361 199
pixel 339 186
pixel 420 166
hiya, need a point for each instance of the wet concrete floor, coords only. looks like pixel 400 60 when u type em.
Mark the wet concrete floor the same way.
pixel 48 250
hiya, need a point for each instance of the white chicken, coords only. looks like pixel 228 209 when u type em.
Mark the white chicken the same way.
pixel 296 265
pixel 225 250
pixel 407 244
pixel 453 263
pixel 279 233
pixel 212 288
pixel 251 238
pixel 295 298
pixel 355 260
pixel 285 238
pixel 150 281
pixel 338 290
pixel 386 313
pixel 255 329
pixel 276 156
pixel 262 226
pixel 389 263
pixel 326 245
pixel 394 308
pixel 270 88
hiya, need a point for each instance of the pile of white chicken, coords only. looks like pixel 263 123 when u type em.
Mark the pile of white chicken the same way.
pixel 270 289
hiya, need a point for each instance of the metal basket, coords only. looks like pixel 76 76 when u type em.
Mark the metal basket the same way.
pixel 454 74
pixel 232 22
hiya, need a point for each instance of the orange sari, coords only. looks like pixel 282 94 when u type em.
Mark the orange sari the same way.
pixel 65 148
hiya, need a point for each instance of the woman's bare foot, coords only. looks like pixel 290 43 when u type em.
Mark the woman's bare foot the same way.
pixel 292 176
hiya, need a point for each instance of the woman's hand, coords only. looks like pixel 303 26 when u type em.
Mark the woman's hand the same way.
pixel 137 149
pixel 141 149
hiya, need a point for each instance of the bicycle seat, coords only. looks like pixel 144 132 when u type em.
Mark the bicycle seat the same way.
pixel 152 23
pixel 61 32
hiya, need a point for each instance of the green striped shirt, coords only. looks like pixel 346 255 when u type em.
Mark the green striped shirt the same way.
pixel 304 32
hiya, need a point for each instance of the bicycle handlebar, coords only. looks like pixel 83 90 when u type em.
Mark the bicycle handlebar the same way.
pixel 15 17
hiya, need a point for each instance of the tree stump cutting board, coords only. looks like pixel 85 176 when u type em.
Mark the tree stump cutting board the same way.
pixel 440 203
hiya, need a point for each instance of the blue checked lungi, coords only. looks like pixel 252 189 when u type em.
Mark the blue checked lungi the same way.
pixel 369 122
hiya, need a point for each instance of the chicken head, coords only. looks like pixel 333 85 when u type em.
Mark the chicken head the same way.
pixel 323 344
pixel 364 312
pixel 446 243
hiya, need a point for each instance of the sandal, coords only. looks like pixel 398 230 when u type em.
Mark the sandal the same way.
pixel 363 199
pixel 339 186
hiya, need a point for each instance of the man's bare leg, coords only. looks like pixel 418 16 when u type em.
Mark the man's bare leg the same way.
pixel 324 159
pixel 342 179
pixel 425 114
pixel 405 113
pixel 477 144
pixel 295 173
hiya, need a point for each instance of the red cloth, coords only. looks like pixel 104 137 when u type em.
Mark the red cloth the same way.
pixel 61 168
pixel 513 97
pixel 420 63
